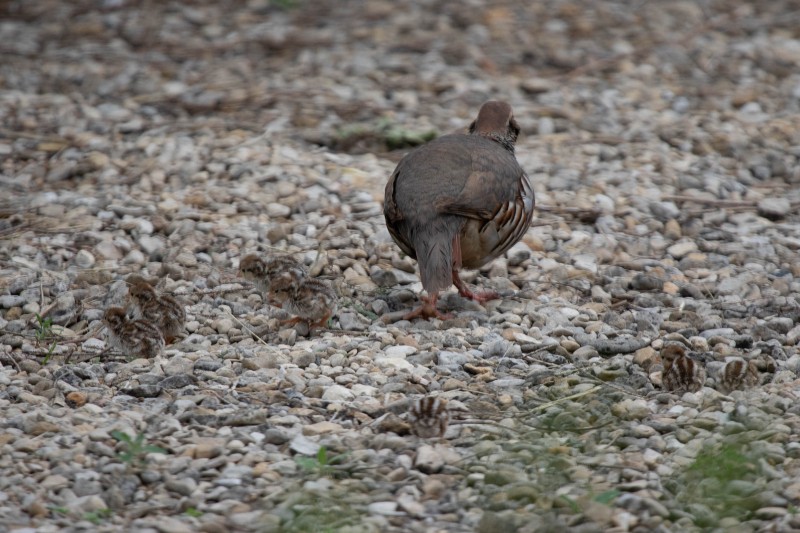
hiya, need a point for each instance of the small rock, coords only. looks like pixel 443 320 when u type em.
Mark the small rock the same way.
pixel 169 524
pixel 428 459
pixel 303 445
pixel 337 393
pixel 774 208
pixel 453 359
pixel 672 230
pixel 384 508
pixel 399 351
pixel 664 211
pixel 646 282
pixel 351 321
pixel 321 428
pixel 151 245
pixel 629 409
pixel 222 325
pixel 7 301
pixel 304 359
pixel 54 482
pixel 84 259
pixel 276 210
pixel 681 249
pixel 183 486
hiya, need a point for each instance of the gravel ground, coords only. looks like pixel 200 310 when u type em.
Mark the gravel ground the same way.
pixel 170 139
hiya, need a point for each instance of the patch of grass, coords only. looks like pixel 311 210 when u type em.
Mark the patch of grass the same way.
pixel 321 464
pixel 194 513
pixel 59 510
pixel 361 310
pixel 607 497
pixel 397 138
pixel 135 448
pixel 571 503
pixel 321 516
pixel 725 463
pixel 44 328
pixel 96 517
pixel 44 332
pixel 285 4
pixel 383 134
pixel 711 488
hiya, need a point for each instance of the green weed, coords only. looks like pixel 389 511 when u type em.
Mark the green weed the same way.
pixel 44 331
pixel 321 465
pixel 135 448
pixel 95 517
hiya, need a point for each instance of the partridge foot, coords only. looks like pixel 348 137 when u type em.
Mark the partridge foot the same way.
pixel 427 310
pixel 480 297
pixel 321 323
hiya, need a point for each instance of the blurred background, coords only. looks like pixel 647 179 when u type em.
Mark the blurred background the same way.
pixel 376 76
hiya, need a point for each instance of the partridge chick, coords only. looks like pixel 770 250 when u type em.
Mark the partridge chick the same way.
pixel 308 299
pixel 429 417
pixel 739 374
pixel 460 201
pixel 680 371
pixel 261 271
pixel 132 336
pixel 162 310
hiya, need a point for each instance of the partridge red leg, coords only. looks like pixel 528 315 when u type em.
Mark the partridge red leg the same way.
pixel 463 290
pixel 480 297
pixel 321 322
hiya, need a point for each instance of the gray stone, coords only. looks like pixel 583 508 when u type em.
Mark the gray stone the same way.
pixel 453 359
pixel 664 210
pixel 351 321
pixel 774 208
pixel 8 301
pixel 682 249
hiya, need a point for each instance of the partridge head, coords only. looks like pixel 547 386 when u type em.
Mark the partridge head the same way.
pixel 254 268
pixel 460 201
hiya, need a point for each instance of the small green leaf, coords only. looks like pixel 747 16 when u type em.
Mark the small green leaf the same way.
pixel 126 457
pixel 572 503
pixel 305 463
pixel 607 496
pixel 149 448
pixel 121 437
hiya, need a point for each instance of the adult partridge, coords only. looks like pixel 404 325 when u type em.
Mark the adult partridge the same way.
pixel 458 201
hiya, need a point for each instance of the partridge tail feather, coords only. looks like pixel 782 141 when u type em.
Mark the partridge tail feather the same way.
pixel 434 248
